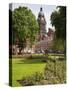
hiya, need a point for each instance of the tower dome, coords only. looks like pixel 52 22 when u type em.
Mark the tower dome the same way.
pixel 41 12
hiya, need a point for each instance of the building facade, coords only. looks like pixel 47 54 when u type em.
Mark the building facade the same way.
pixel 45 38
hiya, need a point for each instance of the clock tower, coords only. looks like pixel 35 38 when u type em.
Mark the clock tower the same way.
pixel 42 24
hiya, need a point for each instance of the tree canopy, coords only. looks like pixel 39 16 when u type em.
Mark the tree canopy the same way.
pixel 58 20
pixel 24 25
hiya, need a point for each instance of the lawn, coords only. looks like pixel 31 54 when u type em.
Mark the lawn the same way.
pixel 27 66
pixel 24 67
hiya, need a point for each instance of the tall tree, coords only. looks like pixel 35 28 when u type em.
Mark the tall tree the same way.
pixel 58 19
pixel 24 25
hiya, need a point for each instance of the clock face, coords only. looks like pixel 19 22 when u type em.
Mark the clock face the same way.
pixel 42 19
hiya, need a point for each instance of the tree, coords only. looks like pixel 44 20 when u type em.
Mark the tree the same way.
pixel 58 19
pixel 24 25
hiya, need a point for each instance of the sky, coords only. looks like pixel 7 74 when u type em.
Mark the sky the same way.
pixel 47 9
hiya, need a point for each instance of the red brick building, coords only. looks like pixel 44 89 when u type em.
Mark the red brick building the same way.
pixel 45 39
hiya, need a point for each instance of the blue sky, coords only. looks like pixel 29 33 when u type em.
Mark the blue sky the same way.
pixel 47 9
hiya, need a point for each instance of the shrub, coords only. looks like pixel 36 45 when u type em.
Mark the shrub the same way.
pixel 38 77
pixel 55 72
pixel 34 79
pixel 26 81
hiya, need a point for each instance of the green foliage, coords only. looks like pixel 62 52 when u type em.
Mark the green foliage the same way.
pixel 24 25
pixel 55 70
pixel 34 79
pixel 38 76
pixel 58 44
pixel 58 19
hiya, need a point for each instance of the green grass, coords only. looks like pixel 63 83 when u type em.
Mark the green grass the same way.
pixel 24 67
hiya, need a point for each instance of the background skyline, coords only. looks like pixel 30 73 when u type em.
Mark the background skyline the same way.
pixel 35 8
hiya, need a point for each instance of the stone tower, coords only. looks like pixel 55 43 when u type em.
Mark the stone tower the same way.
pixel 42 24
